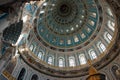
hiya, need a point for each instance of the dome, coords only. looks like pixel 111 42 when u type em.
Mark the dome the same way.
pixel 68 33
pixel 59 39
pixel 67 24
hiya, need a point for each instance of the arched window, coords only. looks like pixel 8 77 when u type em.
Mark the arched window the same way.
pixel 61 62
pixel 109 12
pixel 101 46
pixel 92 54
pixel 107 37
pixel 92 23
pixel 31 47
pixel 111 25
pixel 21 74
pixel 45 4
pixel 69 41
pixel 82 59
pixel 93 14
pixel 40 54
pixel 116 71
pixel 50 60
pixel 83 35
pixel 71 61
pixel 88 30
pixel 34 77
pixel 34 49
pixel 76 38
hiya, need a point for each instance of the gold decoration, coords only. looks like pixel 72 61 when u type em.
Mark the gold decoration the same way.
pixel 92 72
pixel 8 75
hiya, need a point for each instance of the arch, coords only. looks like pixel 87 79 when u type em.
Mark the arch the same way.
pixel 107 37
pixel 21 74
pixel 35 47
pixel 116 71
pixel 101 46
pixel 109 12
pixel 111 25
pixel 61 62
pixel 76 39
pixel 92 54
pixel 93 14
pixel 104 72
pixel 71 61
pixel 34 77
pixel 50 60
pixel 82 59
pixel 91 22
pixel 40 54
pixel 31 47
pixel 83 35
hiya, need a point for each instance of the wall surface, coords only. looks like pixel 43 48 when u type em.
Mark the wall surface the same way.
pixel 107 70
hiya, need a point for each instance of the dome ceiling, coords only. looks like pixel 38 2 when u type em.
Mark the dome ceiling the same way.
pixel 68 33
pixel 66 24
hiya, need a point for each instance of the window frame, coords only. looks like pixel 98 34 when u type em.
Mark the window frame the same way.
pixel 82 59
pixel 72 61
